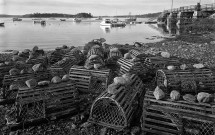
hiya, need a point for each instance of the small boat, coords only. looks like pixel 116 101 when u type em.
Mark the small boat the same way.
pixel 77 20
pixel 40 21
pixel 62 19
pixel 106 22
pixel 151 22
pixel 99 18
pixel 17 19
pixel 130 19
pixel 1 23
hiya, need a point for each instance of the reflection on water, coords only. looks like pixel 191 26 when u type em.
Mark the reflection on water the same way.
pixel 107 29
pixel 171 29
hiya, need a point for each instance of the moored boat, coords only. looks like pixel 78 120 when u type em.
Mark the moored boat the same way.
pixel 106 22
pixel 17 19
pixel 1 23
pixel 62 19
pixel 77 20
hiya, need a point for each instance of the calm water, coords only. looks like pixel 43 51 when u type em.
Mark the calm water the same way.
pixel 26 34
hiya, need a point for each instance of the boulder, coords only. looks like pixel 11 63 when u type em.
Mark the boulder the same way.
pixel 38 67
pixel 14 71
pixel 183 66
pixel 158 93
pixel 97 66
pixel 8 63
pixel 35 48
pixel 56 79
pixel 2 64
pixel 127 77
pixel 171 67
pixel 114 50
pixel 31 83
pixel 198 66
pixel 43 83
pixel 16 58
pixel 65 78
pixel 189 98
pixel 112 88
pixel 204 97
pixel 165 54
pixel 127 56
pixel 26 51
pixel 13 87
pixel 175 95
pixel 15 52
pixel 119 80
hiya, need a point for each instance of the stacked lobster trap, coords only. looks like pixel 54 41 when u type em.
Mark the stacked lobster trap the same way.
pixel 162 117
pixel 186 81
pixel 116 110
pixel 91 81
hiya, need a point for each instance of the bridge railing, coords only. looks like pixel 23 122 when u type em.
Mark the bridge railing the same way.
pixel 208 7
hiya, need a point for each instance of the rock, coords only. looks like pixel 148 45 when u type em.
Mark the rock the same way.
pixel 2 64
pixel 189 98
pixel 171 67
pixel 65 78
pixel 38 67
pixel 64 46
pixel 26 51
pixel 23 71
pixel 204 97
pixel 93 57
pixel 9 63
pixel 127 77
pixel 56 79
pixel 114 50
pixel 165 54
pixel 119 80
pixel 88 66
pixel 97 66
pixel 158 93
pixel 175 95
pixel 43 83
pixel 31 83
pixel 14 87
pixel 15 52
pixel 127 56
pixel 14 71
pixel 198 66
pixel 35 48
pixel 135 130
pixel 183 66
pixel 112 88
pixel 16 58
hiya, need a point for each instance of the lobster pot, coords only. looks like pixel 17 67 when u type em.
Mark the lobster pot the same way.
pixel 55 56
pixel 116 111
pixel 38 60
pixel 75 54
pixel 61 99
pixel 164 117
pixel 162 63
pixel 100 79
pixel 126 66
pixel 20 80
pixel 65 64
pixel 134 53
pixel 30 104
pixel 95 51
pixel 4 70
pixel 113 57
pixel 57 71
pixel 191 81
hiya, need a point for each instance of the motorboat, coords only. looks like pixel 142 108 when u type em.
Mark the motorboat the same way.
pixel 77 20
pixel 106 22
pixel 17 19
pixel 62 19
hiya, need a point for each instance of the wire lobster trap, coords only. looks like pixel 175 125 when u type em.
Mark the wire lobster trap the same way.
pixel 178 118
pixel 96 51
pixel 191 81
pixel 127 66
pixel 116 111
pixel 95 80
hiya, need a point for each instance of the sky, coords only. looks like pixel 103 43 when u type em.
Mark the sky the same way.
pixel 95 7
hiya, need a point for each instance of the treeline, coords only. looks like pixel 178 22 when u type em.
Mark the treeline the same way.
pixel 47 15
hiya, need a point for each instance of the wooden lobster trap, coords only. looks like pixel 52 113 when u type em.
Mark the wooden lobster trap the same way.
pixel 61 99
pixel 113 57
pixel 30 104
pixel 4 70
pixel 91 80
pixel 186 81
pixel 127 66
pixel 75 54
pixel 38 60
pixel 116 111
pixel 65 64
pixel 165 117
pixel 20 79
pixel 57 71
